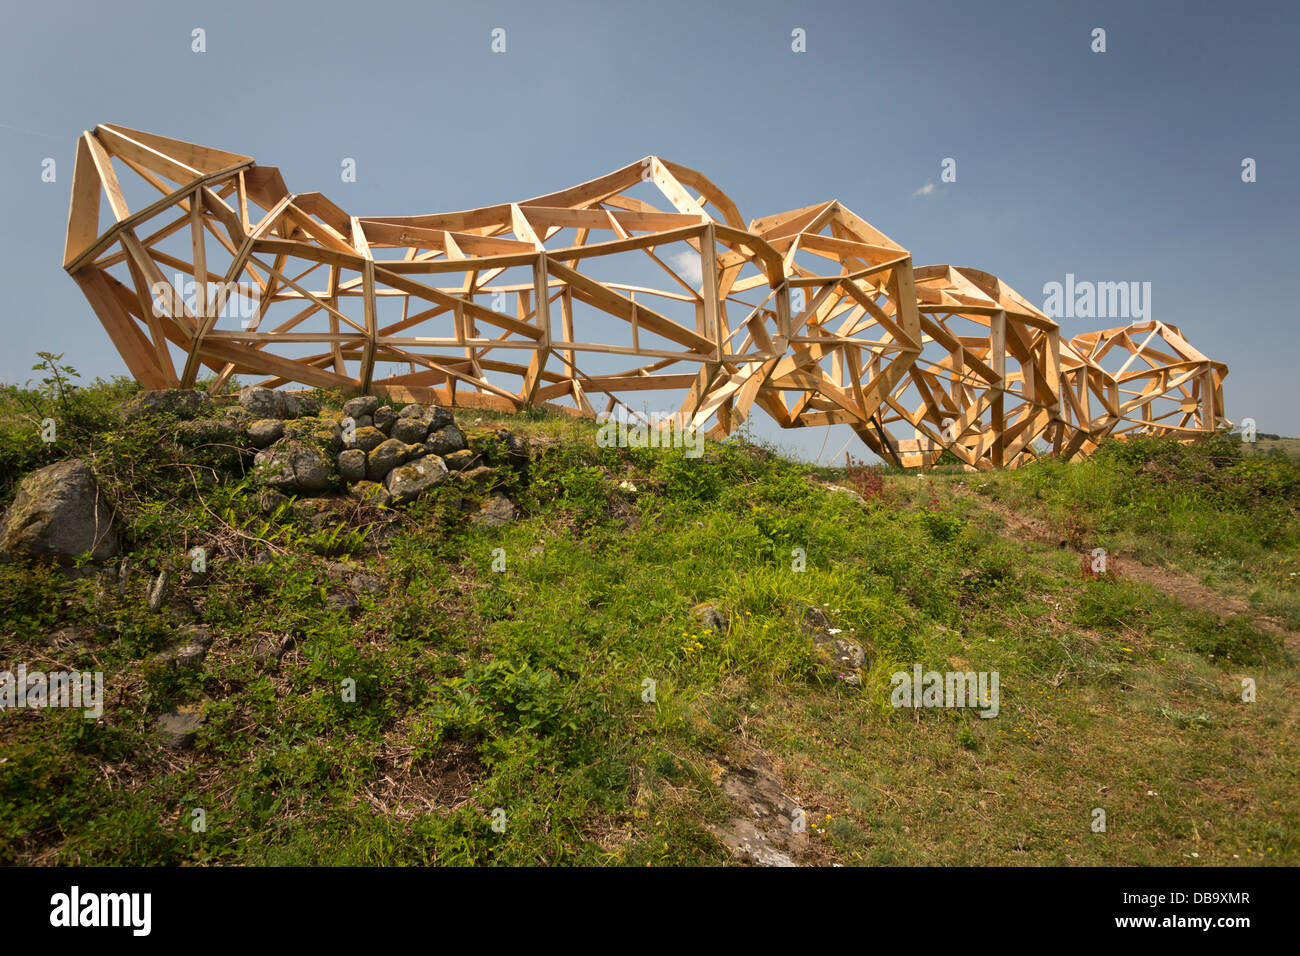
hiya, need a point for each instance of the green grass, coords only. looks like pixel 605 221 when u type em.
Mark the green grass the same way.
pixel 523 689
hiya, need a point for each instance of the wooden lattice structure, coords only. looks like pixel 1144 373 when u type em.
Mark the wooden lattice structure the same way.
pixel 646 280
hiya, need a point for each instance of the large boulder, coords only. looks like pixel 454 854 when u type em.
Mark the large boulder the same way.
pixel 268 403
pixel 352 465
pixel 496 511
pixel 438 417
pixel 181 402
pixel 59 513
pixel 319 431
pixel 462 460
pixel 366 437
pixel 445 440
pixel 384 418
pixel 265 431
pixel 355 408
pixel 435 416
pixel 408 481
pixel 410 430
pixel 292 466
pixel 384 458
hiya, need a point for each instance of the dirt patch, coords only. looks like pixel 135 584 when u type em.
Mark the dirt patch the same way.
pixel 440 783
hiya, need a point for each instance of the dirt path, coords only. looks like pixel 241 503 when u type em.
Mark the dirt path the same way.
pixel 1179 585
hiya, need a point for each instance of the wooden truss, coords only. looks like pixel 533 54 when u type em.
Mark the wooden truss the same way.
pixel 645 280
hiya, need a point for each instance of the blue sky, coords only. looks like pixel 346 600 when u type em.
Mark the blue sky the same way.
pixel 1115 166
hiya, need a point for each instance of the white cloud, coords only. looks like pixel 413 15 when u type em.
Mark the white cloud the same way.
pixel 687 265
pixel 925 190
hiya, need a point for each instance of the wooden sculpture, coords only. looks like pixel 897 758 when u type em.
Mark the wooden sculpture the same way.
pixel 645 280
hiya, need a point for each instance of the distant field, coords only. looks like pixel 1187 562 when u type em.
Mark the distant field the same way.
pixel 1262 446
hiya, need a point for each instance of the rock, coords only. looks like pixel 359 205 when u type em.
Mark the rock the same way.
pixel 384 458
pixel 748 844
pixel 268 499
pixel 410 430
pixel 354 408
pixel 197 634
pixel 370 491
pixel 265 431
pixel 812 619
pixel 498 510
pixel 445 440
pixel 352 465
pixel 517 449
pixel 367 438
pixel 844 656
pixel 480 479
pixel 761 830
pixel 318 513
pixel 213 443
pixel 292 466
pixel 268 403
pixel 384 419
pixel 437 417
pixel 236 416
pixel 363 421
pixel 181 402
pixel 179 658
pixel 178 726
pixel 343 601
pixel 364 583
pixel 339 570
pixel 462 460
pixel 710 616
pixel 408 481
pixel 318 431
pixel 59 513
pixel 308 405
pixel 268 650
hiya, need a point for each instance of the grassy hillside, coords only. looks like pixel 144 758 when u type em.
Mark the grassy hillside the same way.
pixel 524 690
